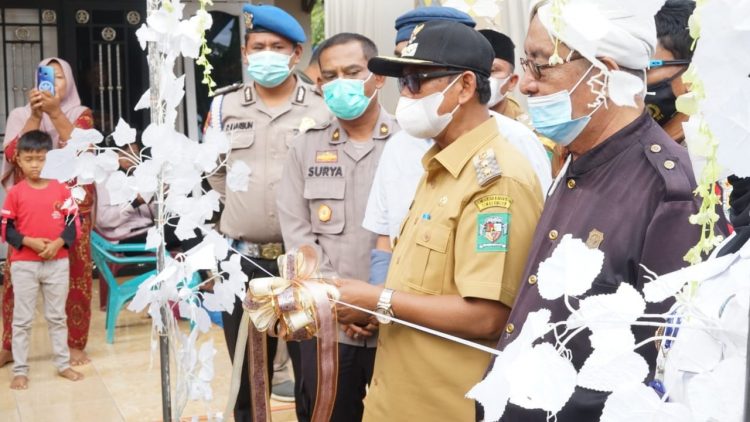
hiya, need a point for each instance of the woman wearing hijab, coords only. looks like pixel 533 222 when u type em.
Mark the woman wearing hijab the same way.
pixel 57 115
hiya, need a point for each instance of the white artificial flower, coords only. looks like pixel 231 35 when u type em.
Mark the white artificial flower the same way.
pixel 123 134
pixel 238 176
pixel 570 270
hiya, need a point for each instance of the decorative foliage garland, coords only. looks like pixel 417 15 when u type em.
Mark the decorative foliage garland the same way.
pixel 205 21
pixel 702 144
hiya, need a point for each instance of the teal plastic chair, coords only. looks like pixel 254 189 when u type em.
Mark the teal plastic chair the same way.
pixel 105 253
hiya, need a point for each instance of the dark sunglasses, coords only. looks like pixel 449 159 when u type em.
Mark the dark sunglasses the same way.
pixel 536 69
pixel 413 81
pixel 659 63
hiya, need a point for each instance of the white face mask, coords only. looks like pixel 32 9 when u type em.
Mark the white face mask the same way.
pixel 419 117
pixel 495 86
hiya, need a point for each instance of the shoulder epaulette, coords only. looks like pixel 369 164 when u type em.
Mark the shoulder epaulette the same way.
pixel 227 89
pixel 486 166
pixel 671 165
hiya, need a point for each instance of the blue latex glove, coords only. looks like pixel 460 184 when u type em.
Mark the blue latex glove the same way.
pixel 379 262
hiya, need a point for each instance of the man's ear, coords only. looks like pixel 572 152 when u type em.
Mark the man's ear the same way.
pixel 511 84
pixel 379 81
pixel 610 63
pixel 296 54
pixel 243 53
pixel 468 84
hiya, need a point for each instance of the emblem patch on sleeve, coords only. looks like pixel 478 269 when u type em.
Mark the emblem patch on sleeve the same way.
pixel 492 232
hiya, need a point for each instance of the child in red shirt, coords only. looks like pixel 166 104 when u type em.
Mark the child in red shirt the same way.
pixel 38 224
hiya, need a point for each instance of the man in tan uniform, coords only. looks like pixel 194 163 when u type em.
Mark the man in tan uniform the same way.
pixel 459 257
pixel 261 118
pixel 322 200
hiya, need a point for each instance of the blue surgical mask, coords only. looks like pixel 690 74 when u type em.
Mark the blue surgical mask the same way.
pixel 552 115
pixel 268 68
pixel 346 97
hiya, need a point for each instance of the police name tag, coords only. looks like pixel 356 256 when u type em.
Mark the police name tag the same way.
pixel 492 232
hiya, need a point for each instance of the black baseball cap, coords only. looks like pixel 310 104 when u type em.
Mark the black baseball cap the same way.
pixel 439 44
pixel 501 44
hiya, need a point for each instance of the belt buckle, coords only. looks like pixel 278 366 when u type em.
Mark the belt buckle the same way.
pixel 248 249
pixel 270 251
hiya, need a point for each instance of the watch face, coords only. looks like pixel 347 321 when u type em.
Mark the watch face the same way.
pixel 383 319
pixel 383 316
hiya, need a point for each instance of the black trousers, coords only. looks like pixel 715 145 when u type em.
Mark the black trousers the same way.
pixel 231 322
pixel 355 372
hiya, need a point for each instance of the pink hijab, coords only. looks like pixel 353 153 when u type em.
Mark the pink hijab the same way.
pixel 70 106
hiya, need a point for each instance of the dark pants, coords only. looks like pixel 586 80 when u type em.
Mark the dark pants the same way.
pixel 231 322
pixel 355 372
pixel 295 354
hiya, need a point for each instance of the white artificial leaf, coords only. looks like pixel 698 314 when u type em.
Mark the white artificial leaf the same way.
pixel 541 379
pixel 718 395
pixel 201 319
pixel 201 257
pixel 612 339
pixel 145 101
pixel 120 188
pixel 84 138
pixel 620 308
pixel 221 248
pixel 492 392
pixel 60 165
pixel 669 284
pixel 154 311
pixel 123 134
pixel 78 193
pixel 218 138
pixel 143 296
pixel 238 177
pixel 212 302
pixel 603 371
pixel 639 403
pixel 185 229
pixel 570 269
pixel 153 238
pixel 695 350
pixel 85 168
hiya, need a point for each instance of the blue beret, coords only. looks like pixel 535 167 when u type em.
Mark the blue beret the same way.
pixel 406 22
pixel 273 19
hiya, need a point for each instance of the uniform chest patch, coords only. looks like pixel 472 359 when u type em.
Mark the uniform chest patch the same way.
pixel 330 156
pixel 491 201
pixel 492 232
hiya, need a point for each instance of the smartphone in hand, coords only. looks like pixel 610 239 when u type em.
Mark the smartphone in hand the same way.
pixel 46 79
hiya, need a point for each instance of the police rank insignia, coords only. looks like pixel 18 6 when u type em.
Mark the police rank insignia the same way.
pixel 328 156
pixel 492 232
pixel 324 213
pixel 486 166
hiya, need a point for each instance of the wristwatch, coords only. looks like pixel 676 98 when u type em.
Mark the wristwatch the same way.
pixel 384 307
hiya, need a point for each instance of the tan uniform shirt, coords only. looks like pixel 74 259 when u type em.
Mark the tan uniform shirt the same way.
pixel 323 196
pixel 260 137
pixel 467 233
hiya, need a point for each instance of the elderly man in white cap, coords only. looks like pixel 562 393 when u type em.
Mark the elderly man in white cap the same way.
pixel 626 189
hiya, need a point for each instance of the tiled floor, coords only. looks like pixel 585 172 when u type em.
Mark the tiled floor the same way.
pixel 122 381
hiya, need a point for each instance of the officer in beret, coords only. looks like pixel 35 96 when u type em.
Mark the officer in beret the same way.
pixel 463 244
pixel 261 118
pixel 406 23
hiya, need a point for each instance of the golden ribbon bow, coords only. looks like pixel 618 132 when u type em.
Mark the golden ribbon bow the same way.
pixel 287 304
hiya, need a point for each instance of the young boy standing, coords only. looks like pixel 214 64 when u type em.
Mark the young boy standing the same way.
pixel 37 225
